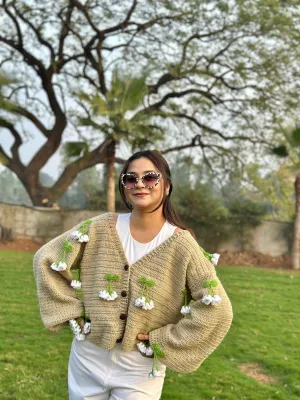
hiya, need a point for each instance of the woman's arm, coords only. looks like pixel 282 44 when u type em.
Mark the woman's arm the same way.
pixel 58 300
pixel 189 342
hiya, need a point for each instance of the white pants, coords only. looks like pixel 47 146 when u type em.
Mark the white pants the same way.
pixel 95 373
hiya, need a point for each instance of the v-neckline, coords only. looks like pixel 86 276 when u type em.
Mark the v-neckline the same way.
pixel 141 244
pixel 146 257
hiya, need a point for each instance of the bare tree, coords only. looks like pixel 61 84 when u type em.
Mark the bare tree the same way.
pixel 219 75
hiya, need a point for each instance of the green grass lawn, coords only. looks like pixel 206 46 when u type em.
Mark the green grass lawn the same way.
pixel 265 330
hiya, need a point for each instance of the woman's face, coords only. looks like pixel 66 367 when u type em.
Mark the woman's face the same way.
pixel 153 196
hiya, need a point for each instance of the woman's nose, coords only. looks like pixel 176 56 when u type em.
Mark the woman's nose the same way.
pixel 140 184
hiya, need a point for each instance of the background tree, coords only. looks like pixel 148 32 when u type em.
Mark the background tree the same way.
pixel 219 75
pixel 275 188
pixel 125 96
pixel 290 151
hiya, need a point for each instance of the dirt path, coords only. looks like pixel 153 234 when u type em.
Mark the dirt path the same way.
pixel 20 245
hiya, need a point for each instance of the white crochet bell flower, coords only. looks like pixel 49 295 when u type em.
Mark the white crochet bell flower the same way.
pixel 83 239
pixel 149 351
pixel 87 328
pixel 61 266
pixel 76 284
pixel 216 300
pixel 103 294
pixel 140 301
pixel 209 299
pixel 144 349
pixel 215 258
pixel 148 305
pixel 153 374
pixel 185 310
pixel 76 235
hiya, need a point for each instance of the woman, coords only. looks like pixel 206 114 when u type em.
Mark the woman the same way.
pixel 138 272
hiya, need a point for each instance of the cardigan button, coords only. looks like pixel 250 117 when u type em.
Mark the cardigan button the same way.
pixel 126 267
pixel 123 316
pixel 123 293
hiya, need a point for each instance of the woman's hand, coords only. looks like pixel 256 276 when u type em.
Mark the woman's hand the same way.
pixel 143 336
pixel 81 323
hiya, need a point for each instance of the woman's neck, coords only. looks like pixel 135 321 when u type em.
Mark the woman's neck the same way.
pixel 140 220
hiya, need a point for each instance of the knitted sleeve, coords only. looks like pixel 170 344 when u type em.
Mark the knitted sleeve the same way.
pixel 189 342
pixel 57 299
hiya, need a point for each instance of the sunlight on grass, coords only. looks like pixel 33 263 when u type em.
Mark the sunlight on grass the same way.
pixel 265 330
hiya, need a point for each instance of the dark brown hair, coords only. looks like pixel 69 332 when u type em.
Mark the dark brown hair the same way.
pixel 161 164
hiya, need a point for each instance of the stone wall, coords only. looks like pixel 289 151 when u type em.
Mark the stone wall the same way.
pixel 38 223
pixel 41 225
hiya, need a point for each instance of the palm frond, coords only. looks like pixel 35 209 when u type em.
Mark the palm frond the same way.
pixel 75 149
pixel 134 93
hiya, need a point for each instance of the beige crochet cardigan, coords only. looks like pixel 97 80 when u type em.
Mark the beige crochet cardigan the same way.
pixel 175 264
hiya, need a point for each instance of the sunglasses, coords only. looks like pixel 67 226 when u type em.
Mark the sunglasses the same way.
pixel 150 179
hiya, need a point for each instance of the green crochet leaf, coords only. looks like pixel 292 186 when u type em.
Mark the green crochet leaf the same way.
pixel 85 223
pixel 142 280
pixel 206 254
pixel 211 283
pixel 112 277
pixel 150 283
pixel 67 246
pixel 157 350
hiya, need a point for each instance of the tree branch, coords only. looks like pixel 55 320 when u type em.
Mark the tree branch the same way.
pixel 31 117
pixel 217 132
pixel 70 172
pixel 64 30
pixel 17 143
pixel 196 141
pixel 36 31
pixel 28 57
pixel 165 78
pixel 15 21
pixel 159 104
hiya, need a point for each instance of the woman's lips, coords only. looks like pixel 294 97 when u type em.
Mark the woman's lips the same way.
pixel 141 195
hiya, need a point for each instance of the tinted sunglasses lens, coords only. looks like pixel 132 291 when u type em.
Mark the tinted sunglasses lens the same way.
pixel 129 181
pixel 150 180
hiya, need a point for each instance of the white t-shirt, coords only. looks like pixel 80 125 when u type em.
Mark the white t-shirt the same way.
pixel 135 250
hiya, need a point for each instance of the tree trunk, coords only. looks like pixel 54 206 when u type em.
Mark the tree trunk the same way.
pixel 111 173
pixel 42 196
pixel 296 244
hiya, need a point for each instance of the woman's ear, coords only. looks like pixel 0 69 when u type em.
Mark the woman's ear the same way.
pixel 167 190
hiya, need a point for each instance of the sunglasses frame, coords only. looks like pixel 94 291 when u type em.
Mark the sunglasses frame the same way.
pixel 142 179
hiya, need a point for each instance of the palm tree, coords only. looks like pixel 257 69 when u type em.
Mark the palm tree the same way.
pixel 291 150
pixel 118 115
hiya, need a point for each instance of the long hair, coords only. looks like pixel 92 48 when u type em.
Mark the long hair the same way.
pixel 161 164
